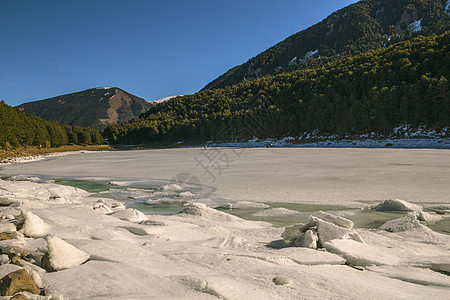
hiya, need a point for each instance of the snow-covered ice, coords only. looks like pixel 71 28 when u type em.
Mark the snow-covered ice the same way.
pixel 33 226
pixel 33 158
pixel 130 214
pixel 277 212
pixel 63 255
pixel 246 205
pixel 397 205
pixel 101 249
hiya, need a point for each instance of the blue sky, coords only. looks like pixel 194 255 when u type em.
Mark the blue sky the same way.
pixel 152 49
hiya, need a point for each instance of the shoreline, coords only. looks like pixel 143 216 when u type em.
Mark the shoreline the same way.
pixel 288 142
pixel 28 154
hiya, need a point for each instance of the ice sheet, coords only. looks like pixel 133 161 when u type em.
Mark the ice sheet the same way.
pixel 203 253
pixel 320 176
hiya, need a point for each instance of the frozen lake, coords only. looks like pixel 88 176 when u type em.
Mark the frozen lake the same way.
pixel 329 176
pixel 88 221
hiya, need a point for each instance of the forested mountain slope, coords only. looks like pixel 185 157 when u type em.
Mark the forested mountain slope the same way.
pixel 365 25
pixel 20 129
pixel 95 108
pixel 406 83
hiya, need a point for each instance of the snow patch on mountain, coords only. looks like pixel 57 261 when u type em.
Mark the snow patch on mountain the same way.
pixel 415 26
pixel 292 61
pixel 164 99
pixel 311 54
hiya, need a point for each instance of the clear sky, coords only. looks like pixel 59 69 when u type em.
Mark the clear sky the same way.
pixel 150 48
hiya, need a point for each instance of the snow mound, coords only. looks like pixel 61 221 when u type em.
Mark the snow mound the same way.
pixel 397 205
pixel 246 205
pixel 201 210
pixel 101 207
pixel 406 223
pixel 63 255
pixel 33 226
pixel 171 187
pixel 336 220
pixel 107 206
pixel 277 212
pixel 119 183
pixel 427 218
pixel 411 221
pixel 317 232
pixel 203 213
pixel 186 194
pixel 130 214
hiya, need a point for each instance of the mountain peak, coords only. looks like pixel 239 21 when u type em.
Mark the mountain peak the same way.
pixel 95 108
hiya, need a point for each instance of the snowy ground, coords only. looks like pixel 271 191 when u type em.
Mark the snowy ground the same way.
pixel 327 142
pixel 104 251
pixel 33 158
pixel 404 136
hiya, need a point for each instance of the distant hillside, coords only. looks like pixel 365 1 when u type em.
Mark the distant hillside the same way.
pixel 377 91
pixel 95 108
pixel 363 26
pixel 20 129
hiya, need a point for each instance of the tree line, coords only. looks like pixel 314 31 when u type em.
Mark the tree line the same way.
pixel 20 129
pixel 371 92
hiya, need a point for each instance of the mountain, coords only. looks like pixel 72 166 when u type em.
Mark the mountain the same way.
pixel 20 129
pixel 371 93
pixel 95 108
pixel 365 25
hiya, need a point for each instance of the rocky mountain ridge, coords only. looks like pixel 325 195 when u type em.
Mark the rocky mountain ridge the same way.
pixel 95 108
